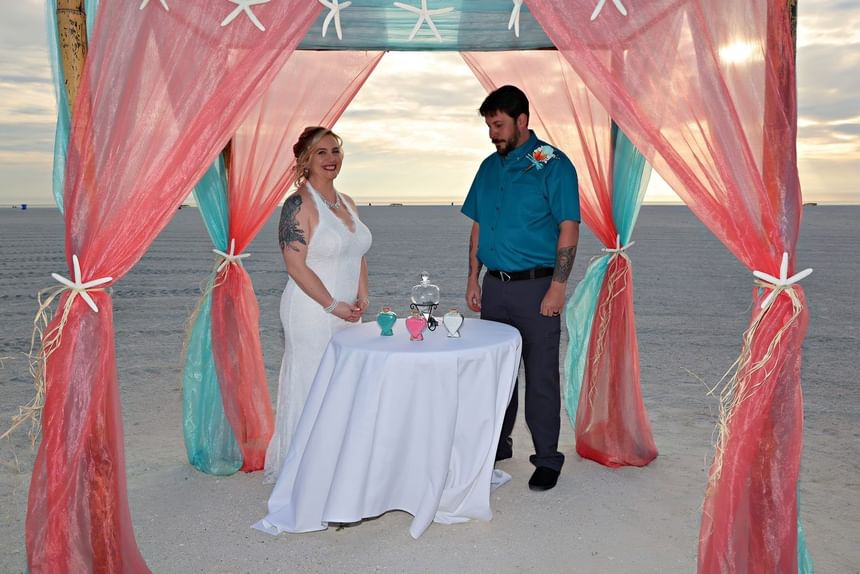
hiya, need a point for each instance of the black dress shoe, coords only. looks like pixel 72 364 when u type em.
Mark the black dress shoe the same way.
pixel 505 450
pixel 543 478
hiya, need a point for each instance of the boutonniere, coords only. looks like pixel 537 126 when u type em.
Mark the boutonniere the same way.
pixel 540 156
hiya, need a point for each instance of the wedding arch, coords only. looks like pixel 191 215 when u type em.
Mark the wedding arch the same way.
pixel 167 84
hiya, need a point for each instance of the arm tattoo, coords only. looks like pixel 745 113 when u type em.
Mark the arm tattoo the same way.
pixel 288 228
pixel 564 263
pixel 471 267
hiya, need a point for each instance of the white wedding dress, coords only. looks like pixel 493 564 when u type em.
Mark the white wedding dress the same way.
pixel 334 254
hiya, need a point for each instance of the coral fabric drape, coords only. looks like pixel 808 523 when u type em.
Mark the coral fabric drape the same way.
pixel 161 94
pixel 706 92
pixel 612 425
pixel 312 88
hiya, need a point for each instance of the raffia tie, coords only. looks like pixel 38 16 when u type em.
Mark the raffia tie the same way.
pixel 737 389
pixel 224 261
pixel 50 341
pixel 615 285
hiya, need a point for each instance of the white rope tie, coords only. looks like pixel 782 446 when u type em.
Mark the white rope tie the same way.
pixel 231 257
pixel 80 287
pixel 781 283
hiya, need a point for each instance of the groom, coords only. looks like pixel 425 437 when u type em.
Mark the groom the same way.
pixel 524 202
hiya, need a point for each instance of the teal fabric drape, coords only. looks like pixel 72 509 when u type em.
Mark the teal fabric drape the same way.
pixel 64 121
pixel 211 197
pixel 209 439
pixel 630 175
pixel 804 558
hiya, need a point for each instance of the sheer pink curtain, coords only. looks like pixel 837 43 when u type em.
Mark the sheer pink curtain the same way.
pixel 707 93
pixel 313 88
pixel 565 113
pixel 612 426
pixel 160 96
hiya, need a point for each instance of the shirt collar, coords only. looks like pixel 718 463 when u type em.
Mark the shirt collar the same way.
pixel 520 152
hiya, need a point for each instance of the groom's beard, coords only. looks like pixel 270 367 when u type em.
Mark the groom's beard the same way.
pixel 507 145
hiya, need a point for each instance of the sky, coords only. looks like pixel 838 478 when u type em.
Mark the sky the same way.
pixel 412 133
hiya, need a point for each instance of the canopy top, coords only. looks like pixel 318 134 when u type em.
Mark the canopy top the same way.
pixel 425 25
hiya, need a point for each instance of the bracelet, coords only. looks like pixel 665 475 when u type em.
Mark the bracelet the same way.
pixel 331 306
pixel 365 300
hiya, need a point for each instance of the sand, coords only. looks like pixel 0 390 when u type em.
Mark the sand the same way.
pixel 692 303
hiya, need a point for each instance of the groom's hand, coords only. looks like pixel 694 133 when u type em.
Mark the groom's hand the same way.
pixel 473 295
pixel 553 301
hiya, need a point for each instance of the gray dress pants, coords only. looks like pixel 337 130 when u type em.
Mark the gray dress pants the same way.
pixel 517 303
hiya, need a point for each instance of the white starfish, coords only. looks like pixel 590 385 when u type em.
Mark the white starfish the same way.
pixel 245 6
pixel 424 15
pixel 230 257
pixel 781 283
pixel 514 22
pixel 618 247
pixel 335 7
pixel 146 2
pixel 78 287
pixel 600 5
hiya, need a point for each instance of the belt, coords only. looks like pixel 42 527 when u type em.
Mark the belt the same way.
pixel 535 273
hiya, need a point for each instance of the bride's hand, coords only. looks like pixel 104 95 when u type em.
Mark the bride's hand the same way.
pixel 362 303
pixel 347 312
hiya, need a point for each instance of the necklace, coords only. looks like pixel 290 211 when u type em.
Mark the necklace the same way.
pixel 331 205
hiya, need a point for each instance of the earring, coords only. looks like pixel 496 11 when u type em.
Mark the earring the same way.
pixel 306 172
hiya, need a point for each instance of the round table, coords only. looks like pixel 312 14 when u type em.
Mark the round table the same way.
pixel 394 424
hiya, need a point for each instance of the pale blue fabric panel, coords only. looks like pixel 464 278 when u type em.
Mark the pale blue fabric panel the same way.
pixel 804 558
pixel 473 25
pixel 579 315
pixel 210 193
pixel 630 174
pixel 209 440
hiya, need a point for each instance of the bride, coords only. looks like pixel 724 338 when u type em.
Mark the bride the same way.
pixel 323 243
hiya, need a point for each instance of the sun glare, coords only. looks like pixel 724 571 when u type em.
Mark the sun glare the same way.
pixel 737 53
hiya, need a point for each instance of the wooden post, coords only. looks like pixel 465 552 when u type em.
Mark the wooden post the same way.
pixel 792 9
pixel 72 35
pixel 227 152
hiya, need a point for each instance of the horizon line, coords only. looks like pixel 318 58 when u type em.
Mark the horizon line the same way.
pixel 437 203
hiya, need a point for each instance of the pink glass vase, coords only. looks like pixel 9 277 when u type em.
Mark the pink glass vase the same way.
pixel 416 324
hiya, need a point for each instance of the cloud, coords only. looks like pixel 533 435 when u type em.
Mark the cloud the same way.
pixel 849 129
pixel 828 81
pixel 26 90
pixel 417 104
pixel 828 84
pixel 829 22
pixel 826 179
pixel 27 137
pixel 23 26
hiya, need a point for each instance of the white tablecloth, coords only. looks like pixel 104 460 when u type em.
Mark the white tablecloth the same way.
pixel 394 424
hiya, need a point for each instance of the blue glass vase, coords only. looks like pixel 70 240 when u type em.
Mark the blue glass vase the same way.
pixel 386 319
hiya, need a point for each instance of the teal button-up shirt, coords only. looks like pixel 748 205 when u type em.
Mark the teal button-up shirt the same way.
pixel 519 207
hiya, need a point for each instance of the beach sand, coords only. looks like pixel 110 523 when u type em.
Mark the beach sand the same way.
pixel 692 303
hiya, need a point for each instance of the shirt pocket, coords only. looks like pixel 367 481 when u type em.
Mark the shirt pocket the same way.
pixel 531 201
